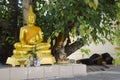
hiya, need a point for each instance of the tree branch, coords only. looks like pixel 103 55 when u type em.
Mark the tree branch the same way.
pixel 73 47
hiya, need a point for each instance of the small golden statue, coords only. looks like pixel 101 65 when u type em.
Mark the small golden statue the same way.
pixel 31 36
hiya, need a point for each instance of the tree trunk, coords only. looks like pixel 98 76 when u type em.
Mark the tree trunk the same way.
pixel 25 5
pixel 69 49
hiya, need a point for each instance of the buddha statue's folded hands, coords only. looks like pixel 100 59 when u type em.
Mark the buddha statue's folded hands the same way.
pixel 31 35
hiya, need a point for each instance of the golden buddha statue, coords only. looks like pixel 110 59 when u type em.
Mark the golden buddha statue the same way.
pixel 31 36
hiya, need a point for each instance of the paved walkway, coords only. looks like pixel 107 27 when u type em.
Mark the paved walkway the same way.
pixel 96 73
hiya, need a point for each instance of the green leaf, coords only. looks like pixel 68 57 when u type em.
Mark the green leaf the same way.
pixel 88 31
pixel 95 6
pixel 118 4
pixel 91 4
pixel 82 31
pixel 85 51
pixel 96 2
pixel 56 34
pixel 87 1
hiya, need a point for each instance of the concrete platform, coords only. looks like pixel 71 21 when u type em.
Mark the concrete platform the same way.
pixel 113 73
pixel 43 72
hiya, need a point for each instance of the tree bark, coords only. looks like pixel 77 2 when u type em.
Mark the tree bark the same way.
pixel 69 49
pixel 73 47
pixel 59 43
pixel 25 5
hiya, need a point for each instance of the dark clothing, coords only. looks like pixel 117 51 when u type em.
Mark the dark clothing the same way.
pixel 107 58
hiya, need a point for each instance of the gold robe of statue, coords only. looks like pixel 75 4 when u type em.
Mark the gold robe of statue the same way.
pixel 31 36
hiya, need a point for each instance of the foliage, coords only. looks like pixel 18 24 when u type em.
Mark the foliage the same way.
pixel 9 26
pixel 88 21
pixel 118 10
pixel 3 15
pixel 116 61
pixel 117 37
pixel 85 51
pixel 32 52
pixel 84 19
pixel 6 27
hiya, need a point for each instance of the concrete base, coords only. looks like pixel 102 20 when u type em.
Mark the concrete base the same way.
pixel 44 71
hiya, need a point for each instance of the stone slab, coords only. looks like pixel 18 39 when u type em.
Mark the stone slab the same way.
pixel 18 73
pixel 44 71
pixel 4 74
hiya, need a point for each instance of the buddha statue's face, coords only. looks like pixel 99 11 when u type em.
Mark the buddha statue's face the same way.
pixel 30 20
pixel 31 17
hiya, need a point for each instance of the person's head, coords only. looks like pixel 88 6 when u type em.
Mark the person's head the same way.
pixel 107 58
pixel 30 17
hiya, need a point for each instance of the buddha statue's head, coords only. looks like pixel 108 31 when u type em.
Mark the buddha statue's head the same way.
pixel 30 17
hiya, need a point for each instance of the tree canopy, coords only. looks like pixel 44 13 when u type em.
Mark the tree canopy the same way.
pixel 79 17
pixel 86 19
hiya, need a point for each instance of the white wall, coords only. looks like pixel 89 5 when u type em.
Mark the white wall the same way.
pixel 100 48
